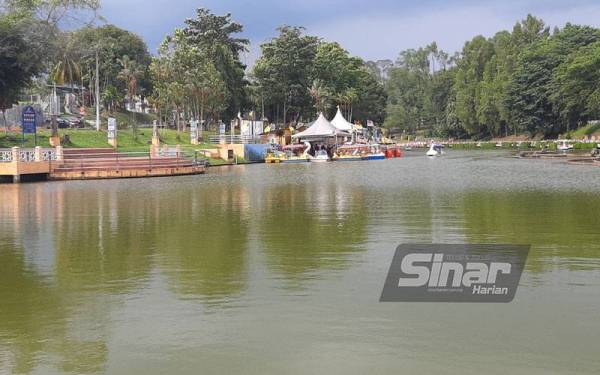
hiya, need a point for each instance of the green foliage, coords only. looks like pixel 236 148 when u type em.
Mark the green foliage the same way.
pixel 525 80
pixel 534 92
pixel 112 45
pixel 54 11
pixel 416 90
pixel 284 72
pixel 301 75
pixel 214 38
pixel 16 68
pixel 187 81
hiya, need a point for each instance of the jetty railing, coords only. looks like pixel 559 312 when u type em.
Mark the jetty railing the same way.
pixel 159 158
pixel 27 155
pixel 235 139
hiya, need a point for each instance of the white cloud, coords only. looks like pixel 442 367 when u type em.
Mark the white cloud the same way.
pixel 381 36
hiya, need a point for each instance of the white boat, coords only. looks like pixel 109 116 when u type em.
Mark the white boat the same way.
pixel 435 150
pixel 564 146
pixel 320 157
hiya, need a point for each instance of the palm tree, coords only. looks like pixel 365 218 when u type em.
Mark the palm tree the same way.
pixel 65 72
pixel 130 72
pixel 320 94
pixel 351 96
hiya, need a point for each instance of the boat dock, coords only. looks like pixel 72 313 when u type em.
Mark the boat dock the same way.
pixel 93 163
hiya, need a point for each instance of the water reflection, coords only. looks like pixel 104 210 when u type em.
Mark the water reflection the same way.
pixel 562 227
pixel 103 240
pixel 37 321
pixel 78 259
pixel 306 228
pixel 203 249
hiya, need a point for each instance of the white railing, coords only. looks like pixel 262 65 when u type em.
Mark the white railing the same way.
pixel 28 155
pixel 164 152
pixel 237 139
pixel 49 154
pixel 5 156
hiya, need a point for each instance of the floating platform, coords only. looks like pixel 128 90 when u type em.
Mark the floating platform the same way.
pixel 542 155
pixel 585 161
pixel 85 164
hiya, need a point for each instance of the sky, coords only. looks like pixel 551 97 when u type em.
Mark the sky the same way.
pixel 372 30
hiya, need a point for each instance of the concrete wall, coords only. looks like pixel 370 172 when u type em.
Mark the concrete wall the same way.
pixel 238 150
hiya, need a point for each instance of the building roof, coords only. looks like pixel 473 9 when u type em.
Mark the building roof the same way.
pixel 321 128
pixel 340 122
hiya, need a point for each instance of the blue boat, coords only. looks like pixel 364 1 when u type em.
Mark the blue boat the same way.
pixel 376 156
pixel 348 158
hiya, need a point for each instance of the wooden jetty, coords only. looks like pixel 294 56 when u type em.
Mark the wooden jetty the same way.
pixel 96 163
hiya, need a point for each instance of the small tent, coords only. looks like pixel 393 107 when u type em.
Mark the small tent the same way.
pixel 321 128
pixel 340 122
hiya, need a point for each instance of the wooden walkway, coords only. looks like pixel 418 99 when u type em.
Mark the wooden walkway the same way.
pixel 98 163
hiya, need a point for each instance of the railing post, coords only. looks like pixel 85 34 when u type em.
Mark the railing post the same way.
pixel 153 151
pixel 37 156
pixel 59 153
pixel 15 154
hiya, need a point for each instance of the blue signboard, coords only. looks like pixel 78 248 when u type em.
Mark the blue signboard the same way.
pixel 29 118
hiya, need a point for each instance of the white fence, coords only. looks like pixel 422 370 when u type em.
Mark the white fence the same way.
pixel 28 155
pixel 238 139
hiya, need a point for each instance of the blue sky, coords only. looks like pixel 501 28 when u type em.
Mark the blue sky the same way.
pixel 375 29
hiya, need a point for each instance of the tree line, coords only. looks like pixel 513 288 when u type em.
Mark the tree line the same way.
pixel 529 80
pixel 196 74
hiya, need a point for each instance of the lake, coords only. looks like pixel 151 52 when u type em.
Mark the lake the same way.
pixel 270 269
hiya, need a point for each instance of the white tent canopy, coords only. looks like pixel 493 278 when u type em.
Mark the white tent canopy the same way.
pixel 340 122
pixel 321 128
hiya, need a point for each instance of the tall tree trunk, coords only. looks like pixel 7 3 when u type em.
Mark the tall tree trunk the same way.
pixel 5 123
pixel 54 124
pixel 201 116
pixel 177 116
pixel 350 117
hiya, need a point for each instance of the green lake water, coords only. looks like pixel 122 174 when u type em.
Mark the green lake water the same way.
pixel 273 269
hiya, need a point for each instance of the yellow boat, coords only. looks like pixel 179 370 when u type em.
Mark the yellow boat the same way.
pixel 274 157
pixel 290 154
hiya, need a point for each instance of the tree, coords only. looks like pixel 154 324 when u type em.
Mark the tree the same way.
pixel 285 71
pixel 111 43
pixel 19 59
pixel 130 73
pixel 321 95
pixel 110 96
pixel 470 71
pixel 53 12
pixel 214 36
pixel 370 102
pixel 66 70
pixel 578 83
pixel 185 78
pixel 409 88
pixel 531 96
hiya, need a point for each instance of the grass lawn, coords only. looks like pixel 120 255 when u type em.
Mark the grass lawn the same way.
pixel 97 139
pixel 586 130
